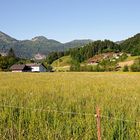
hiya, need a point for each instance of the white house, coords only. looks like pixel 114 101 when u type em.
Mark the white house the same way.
pixel 37 67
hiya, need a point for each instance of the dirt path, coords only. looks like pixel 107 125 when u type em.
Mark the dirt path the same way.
pixel 128 63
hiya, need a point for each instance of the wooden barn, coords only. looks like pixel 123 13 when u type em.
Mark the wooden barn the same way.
pixel 20 68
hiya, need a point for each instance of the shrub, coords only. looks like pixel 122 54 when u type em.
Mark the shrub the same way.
pixel 125 68
pixel 136 66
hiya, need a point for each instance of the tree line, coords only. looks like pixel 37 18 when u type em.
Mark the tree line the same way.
pixel 7 61
pixel 81 54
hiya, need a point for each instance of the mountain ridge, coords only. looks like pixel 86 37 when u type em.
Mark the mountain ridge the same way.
pixel 6 37
pixel 43 46
pixel 37 45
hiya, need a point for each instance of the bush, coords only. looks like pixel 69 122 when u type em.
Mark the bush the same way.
pixel 75 66
pixel 125 68
pixel 49 68
pixel 136 66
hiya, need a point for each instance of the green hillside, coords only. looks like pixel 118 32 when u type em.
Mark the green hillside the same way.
pixel 63 61
pixel 132 45
pixel 129 58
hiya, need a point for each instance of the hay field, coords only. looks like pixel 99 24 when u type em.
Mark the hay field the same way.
pixel 62 106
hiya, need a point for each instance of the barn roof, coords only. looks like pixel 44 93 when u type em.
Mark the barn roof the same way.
pixel 25 66
pixel 17 67
pixel 33 64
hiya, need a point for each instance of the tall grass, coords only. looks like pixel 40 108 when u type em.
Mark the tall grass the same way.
pixel 37 105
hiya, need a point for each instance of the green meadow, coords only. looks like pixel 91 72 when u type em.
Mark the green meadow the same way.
pixel 62 106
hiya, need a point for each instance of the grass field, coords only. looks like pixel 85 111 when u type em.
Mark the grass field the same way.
pixel 129 58
pixel 38 106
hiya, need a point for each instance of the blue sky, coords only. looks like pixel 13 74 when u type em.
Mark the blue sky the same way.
pixel 65 20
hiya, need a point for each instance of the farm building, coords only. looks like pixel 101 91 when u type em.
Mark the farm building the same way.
pixel 37 67
pixel 20 68
pixel 28 68
pixel 95 60
pixel 104 56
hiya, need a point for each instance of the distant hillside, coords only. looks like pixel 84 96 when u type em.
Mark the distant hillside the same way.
pixel 132 45
pixel 38 45
pixel 92 49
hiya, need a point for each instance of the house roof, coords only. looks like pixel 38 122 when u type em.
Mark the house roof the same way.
pixel 96 58
pixel 17 67
pixel 33 65
pixel 25 67
pixel 100 57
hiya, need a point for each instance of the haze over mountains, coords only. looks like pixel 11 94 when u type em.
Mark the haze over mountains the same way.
pixel 37 45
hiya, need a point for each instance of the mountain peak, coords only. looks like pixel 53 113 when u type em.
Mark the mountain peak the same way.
pixel 39 38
